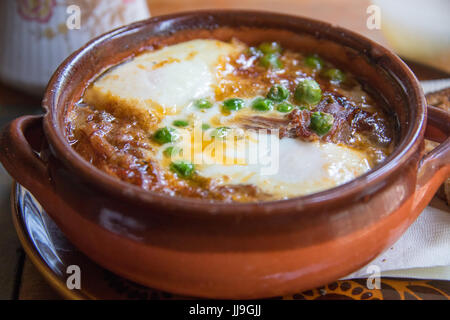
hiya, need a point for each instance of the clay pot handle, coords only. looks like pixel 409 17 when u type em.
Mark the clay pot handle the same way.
pixel 434 168
pixel 19 141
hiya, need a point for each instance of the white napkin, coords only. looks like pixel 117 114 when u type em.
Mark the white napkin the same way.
pixel 423 252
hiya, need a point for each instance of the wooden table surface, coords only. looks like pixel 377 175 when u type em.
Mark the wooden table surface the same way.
pixel 18 277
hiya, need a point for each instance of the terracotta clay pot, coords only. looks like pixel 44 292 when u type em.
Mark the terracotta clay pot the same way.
pixel 231 250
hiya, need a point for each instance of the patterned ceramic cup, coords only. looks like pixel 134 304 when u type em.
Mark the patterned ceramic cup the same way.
pixel 37 35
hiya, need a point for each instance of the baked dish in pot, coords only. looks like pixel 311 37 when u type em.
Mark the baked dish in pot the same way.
pixel 115 161
pixel 226 121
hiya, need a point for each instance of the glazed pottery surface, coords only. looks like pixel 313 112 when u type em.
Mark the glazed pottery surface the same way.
pixel 52 254
pixel 231 250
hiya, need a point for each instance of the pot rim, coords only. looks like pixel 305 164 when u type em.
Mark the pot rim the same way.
pixel 353 190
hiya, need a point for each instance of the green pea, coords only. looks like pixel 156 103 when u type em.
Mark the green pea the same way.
pixel 205 126
pixel 314 61
pixel 278 93
pixel 308 91
pixel 165 135
pixel 321 122
pixel 203 104
pixel 270 47
pixel 262 104
pixel 182 168
pixel 285 107
pixel 220 132
pixel 180 123
pixel 233 104
pixel 271 60
pixel 335 75
pixel 172 151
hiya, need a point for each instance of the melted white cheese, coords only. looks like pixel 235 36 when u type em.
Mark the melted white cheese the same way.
pixel 171 77
pixel 288 167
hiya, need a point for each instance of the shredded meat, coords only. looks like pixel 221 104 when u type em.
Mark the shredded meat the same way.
pixel 351 124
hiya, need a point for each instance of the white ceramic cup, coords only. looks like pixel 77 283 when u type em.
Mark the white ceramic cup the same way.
pixel 37 35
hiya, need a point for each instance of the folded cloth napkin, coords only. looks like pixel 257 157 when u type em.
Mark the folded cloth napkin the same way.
pixel 423 252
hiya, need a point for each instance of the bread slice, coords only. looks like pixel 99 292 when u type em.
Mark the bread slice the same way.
pixel 440 99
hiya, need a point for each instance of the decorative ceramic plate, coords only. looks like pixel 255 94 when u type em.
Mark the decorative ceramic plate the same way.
pixel 52 254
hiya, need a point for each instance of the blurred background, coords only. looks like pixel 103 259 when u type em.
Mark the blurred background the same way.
pixel 36 36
